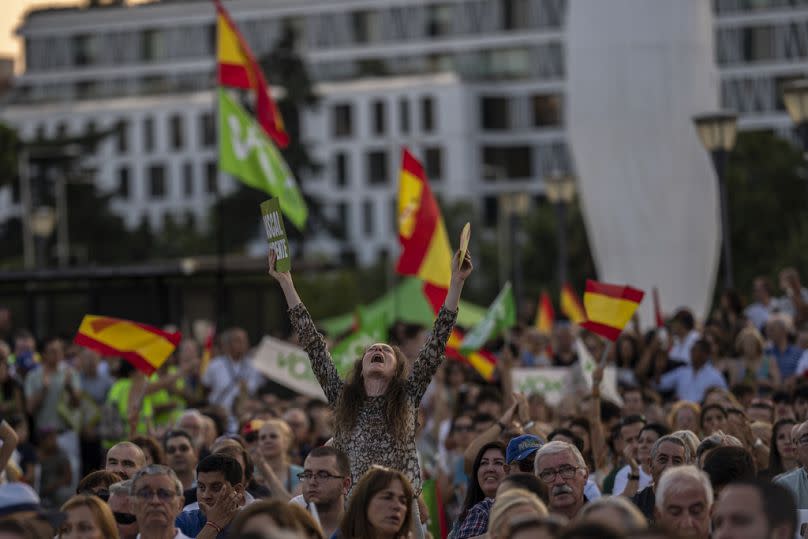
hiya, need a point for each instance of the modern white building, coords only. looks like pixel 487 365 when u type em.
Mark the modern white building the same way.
pixel 474 87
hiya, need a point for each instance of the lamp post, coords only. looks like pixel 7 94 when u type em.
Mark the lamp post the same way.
pixel 43 221
pixel 795 98
pixel 560 191
pixel 515 206
pixel 717 132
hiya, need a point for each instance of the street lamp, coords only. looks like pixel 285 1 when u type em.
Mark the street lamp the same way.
pixel 717 132
pixel 43 221
pixel 560 191
pixel 795 98
pixel 515 206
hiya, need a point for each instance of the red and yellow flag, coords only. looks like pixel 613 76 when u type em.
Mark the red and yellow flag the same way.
pixel 207 351
pixel 609 307
pixel 145 347
pixel 571 305
pixel 426 253
pixel 238 69
pixel 545 315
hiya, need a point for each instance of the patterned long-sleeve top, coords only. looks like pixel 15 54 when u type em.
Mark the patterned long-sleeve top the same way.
pixel 371 441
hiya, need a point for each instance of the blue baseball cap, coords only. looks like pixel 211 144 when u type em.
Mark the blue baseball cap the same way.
pixel 522 447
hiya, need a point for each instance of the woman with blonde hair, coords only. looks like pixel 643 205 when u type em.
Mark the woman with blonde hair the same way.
pixel 615 512
pixel 752 366
pixel 516 502
pixel 88 517
pixel 684 415
pixel 272 458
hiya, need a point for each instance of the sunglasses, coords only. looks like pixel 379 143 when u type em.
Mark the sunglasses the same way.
pixel 124 518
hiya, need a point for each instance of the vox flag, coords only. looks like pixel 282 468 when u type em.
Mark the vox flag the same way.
pixel 501 315
pixel 247 153
pixel 609 307
pixel 237 68
pixel 145 347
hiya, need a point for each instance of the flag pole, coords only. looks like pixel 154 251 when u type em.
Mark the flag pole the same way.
pixel 605 354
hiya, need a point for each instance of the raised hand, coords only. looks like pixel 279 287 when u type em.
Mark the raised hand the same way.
pixel 277 275
pixel 461 271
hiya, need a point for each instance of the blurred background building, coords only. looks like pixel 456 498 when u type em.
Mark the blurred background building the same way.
pixel 474 87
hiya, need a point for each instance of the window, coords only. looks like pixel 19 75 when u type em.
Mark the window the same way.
pixel 211 177
pixel 495 113
pixel 439 20
pixel 342 120
pixel 404 115
pixel 208 131
pixel 148 135
pixel 157 181
pixel 367 218
pixel 433 163
pixel 490 211
pixel 758 43
pixel 365 26
pixel 152 45
pixel 378 118
pixel 123 182
pixel 188 179
pixel 122 136
pixel 507 162
pixel 341 169
pixel 342 219
pixel 427 114
pixel 377 167
pixel 85 49
pixel 547 110
pixel 175 128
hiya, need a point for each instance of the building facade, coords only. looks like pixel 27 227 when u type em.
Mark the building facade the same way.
pixel 474 87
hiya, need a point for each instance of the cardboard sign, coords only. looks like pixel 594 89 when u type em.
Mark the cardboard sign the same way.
pixel 465 235
pixel 551 382
pixel 276 233
pixel 287 365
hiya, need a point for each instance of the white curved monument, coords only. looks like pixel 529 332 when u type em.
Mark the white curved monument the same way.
pixel 637 72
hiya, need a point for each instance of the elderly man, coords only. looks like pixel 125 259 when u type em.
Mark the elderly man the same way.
pixel 121 506
pixel 754 509
pixel 232 373
pixel 667 452
pixel 797 480
pixel 125 458
pixel 157 500
pixel 684 498
pixel 562 468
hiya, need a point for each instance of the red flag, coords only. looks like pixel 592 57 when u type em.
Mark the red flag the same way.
pixel 609 308
pixel 571 305
pixel 545 315
pixel 238 69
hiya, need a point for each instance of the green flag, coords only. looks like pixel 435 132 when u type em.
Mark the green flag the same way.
pixel 351 348
pixel 247 153
pixel 500 316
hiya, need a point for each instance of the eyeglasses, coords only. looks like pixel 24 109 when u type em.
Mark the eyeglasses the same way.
pixel 163 495
pixel 566 472
pixel 124 518
pixel 184 448
pixel 320 476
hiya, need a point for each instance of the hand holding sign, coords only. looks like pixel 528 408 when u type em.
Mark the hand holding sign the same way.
pixel 276 236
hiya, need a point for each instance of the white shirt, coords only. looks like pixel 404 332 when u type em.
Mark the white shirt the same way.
pixel 621 480
pixel 691 385
pixel 223 377
pixel 178 535
pixel 591 490
pixel 680 351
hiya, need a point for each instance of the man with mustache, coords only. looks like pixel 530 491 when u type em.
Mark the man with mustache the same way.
pixel 562 468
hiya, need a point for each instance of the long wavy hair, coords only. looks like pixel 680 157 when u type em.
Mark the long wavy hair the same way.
pixel 474 492
pixel 353 397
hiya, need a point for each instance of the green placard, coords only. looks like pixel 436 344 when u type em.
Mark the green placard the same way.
pixel 276 233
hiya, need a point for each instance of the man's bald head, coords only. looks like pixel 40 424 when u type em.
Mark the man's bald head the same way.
pixel 125 458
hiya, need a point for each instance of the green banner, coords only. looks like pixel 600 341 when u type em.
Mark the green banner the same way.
pixel 500 316
pixel 276 233
pixel 247 153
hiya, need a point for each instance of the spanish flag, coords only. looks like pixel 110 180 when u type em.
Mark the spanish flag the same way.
pixel 426 253
pixel 145 347
pixel 609 307
pixel 238 69
pixel 207 351
pixel 571 305
pixel 545 315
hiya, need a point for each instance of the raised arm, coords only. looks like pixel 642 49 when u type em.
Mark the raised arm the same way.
pixel 431 355
pixel 312 341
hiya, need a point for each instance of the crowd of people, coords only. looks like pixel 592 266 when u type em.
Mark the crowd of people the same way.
pixel 708 438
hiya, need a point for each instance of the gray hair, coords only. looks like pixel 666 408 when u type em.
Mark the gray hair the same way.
pixel 716 439
pixel 121 488
pixel 689 437
pixel 674 440
pixel 554 448
pixel 675 478
pixel 631 517
pixel 156 470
